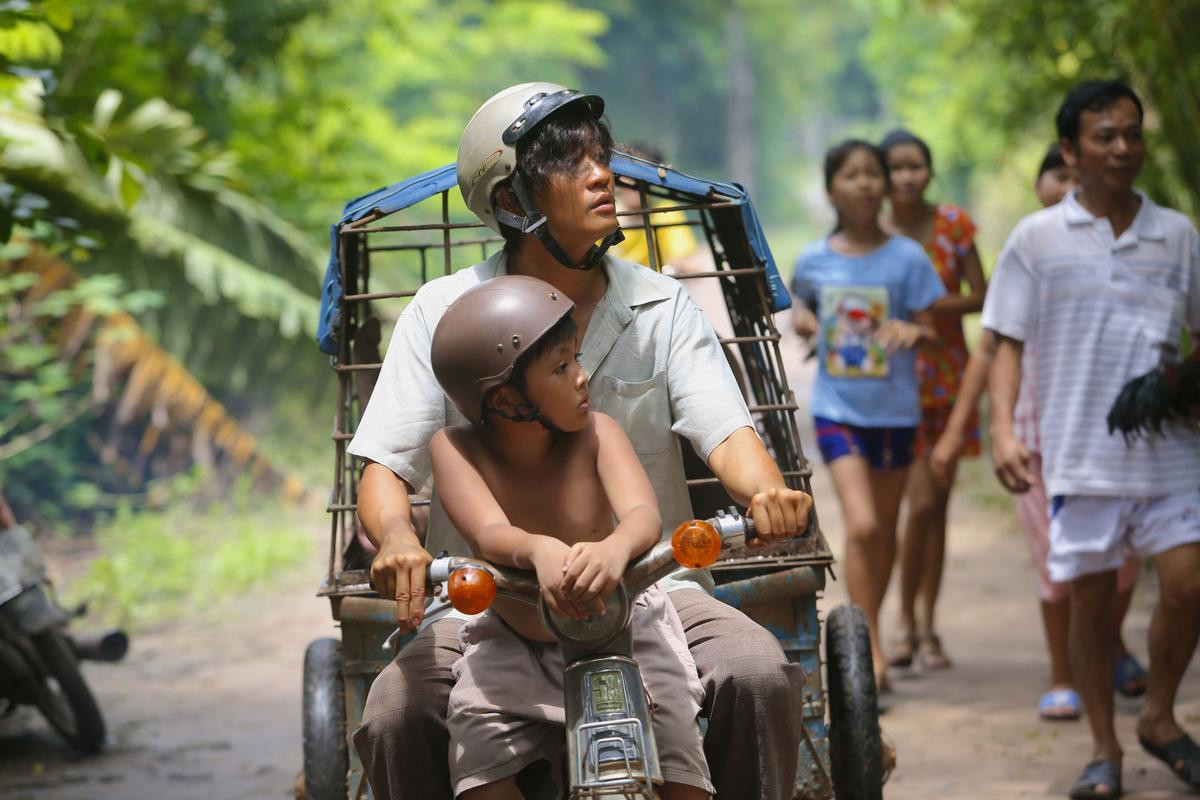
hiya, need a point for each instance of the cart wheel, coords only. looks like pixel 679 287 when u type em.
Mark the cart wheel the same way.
pixel 64 697
pixel 326 756
pixel 855 747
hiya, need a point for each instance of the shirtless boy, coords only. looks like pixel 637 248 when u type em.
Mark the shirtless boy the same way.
pixel 539 481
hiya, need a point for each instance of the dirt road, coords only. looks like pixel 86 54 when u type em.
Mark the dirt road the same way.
pixel 212 709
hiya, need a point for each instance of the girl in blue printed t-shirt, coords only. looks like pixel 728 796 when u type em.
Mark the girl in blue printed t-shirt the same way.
pixel 865 295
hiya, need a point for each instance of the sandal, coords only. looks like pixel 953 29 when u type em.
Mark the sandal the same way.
pixel 903 647
pixel 1095 775
pixel 1129 677
pixel 889 756
pixel 1060 705
pixel 1182 756
pixel 930 653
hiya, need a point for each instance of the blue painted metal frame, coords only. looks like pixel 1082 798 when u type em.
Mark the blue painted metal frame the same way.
pixel 404 194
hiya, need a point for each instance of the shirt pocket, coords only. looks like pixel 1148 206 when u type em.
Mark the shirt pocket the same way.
pixel 642 409
pixel 1152 302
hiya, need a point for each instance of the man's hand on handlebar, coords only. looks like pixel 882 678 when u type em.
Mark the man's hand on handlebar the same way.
pixel 399 571
pixel 778 514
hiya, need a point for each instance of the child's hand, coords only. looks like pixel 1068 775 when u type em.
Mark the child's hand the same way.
pixel 896 334
pixel 549 558
pixel 592 570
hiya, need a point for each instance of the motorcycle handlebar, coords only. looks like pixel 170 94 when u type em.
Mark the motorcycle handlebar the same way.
pixel 656 563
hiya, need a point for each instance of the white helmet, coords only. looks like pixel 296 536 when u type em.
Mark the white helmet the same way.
pixel 487 154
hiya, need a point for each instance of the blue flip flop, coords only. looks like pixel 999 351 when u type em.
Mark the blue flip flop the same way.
pixel 1060 699
pixel 1129 671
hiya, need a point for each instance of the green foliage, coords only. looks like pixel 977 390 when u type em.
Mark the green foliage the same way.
pixel 158 564
pixel 983 78
pixel 363 97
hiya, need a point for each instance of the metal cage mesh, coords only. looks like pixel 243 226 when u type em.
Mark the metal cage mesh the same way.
pixel 384 259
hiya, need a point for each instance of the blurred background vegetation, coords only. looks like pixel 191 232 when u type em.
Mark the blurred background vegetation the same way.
pixel 169 172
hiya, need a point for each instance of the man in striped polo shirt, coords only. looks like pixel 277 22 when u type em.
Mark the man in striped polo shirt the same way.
pixel 1103 284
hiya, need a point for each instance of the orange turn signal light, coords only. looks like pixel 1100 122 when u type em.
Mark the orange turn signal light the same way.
pixel 471 589
pixel 696 544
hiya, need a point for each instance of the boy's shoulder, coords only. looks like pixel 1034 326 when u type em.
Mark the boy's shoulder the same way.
pixel 463 437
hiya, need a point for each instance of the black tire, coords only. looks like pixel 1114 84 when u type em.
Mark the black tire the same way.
pixel 326 752
pixel 855 746
pixel 65 699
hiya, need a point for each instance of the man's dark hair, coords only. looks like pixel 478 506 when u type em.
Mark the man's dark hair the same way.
pixel 1052 160
pixel 565 330
pixel 1090 96
pixel 557 146
pixel 901 136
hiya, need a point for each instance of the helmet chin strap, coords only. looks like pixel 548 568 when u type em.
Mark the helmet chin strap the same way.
pixel 526 412
pixel 534 223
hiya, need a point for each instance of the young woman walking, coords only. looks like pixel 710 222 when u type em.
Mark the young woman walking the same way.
pixel 948 236
pixel 865 294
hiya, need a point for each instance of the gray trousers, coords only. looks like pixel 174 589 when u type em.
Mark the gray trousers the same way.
pixel 752 699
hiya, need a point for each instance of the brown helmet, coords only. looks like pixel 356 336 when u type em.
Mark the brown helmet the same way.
pixel 485 331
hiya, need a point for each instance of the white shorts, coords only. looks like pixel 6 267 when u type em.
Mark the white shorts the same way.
pixel 1090 534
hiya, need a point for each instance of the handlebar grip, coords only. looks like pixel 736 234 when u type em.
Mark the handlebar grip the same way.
pixel 751 531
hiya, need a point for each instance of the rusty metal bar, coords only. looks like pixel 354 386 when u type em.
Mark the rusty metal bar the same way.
pixel 428 226
pixel 741 339
pixel 774 407
pixel 412 501
pixel 641 212
pixel 771 588
pixel 446 230
pixel 720 273
pixel 648 230
pixel 354 298
pixel 792 473
pixel 368 611
pixel 386 248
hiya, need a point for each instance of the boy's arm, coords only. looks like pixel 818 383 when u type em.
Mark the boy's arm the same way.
pixel 473 510
pixel 594 568
pixel 949 444
pixel 1009 458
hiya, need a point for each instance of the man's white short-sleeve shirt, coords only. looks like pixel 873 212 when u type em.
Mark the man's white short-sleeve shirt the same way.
pixel 1100 310
pixel 655 363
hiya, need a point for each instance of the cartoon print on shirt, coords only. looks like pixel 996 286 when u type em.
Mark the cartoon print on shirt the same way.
pixel 851 317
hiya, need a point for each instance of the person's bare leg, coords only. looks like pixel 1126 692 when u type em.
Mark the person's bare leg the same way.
pixel 913 547
pixel 1091 657
pixel 931 575
pixel 1056 619
pixel 1120 609
pixel 1174 632
pixel 503 789
pixel 888 490
pixel 681 791
pixel 864 583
